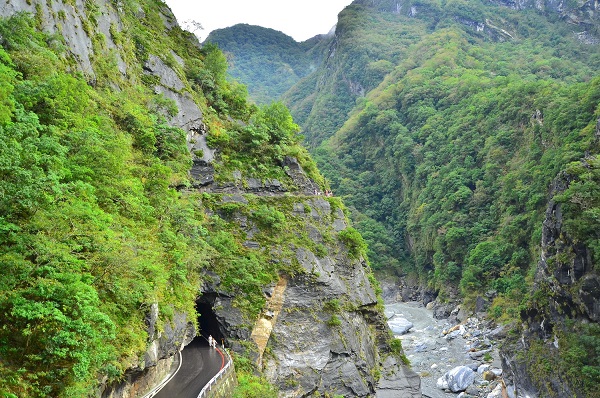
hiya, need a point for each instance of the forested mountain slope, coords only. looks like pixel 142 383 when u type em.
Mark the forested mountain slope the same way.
pixel 269 61
pixel 444 125
pixel 138 188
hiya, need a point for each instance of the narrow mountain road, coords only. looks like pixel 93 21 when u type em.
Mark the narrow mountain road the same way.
pixel 199 364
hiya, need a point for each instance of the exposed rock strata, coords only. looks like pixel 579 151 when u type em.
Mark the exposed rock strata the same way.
pixel 299 347
pixel 567 279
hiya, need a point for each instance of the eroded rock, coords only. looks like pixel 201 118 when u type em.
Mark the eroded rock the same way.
pixel 457 379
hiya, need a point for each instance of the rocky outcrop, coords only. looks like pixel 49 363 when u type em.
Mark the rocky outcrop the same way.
pixel 137 383
pixel 567 288
pixel 203 174
pixel 585 15
pixel 320 331
pixel 578 12
pixel 73 20
pixel 565 269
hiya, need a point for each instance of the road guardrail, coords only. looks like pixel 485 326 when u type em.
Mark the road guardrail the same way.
pixel 208 387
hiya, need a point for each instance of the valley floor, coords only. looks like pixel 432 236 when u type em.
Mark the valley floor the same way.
pixel 435 347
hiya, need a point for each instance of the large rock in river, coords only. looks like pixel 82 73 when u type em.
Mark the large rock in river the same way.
pixel 457 379
pixel 399 325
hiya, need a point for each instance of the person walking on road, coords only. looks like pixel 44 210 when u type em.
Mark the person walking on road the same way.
pixel 211 341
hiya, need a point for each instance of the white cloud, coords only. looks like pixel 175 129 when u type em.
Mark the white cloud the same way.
pixel 299 19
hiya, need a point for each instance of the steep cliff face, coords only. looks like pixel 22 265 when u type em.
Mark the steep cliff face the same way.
pixel 320 330
pixel 566 268
pixel 562 320
pixel 72 20
pixel 582 13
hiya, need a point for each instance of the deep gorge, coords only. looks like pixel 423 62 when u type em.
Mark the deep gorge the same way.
pixel 145 197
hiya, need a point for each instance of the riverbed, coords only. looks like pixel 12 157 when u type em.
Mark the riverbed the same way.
pixel 432 353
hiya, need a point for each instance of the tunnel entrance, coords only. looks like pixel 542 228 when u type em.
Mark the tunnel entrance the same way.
pixel 207 319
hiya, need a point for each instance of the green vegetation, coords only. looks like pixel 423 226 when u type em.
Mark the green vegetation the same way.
pixel 251 386
pixel 354 242
pixel 575 362
pixel 96 224
pixel 83 253
pixel 443 125
pixel 281 61
pixel 580 203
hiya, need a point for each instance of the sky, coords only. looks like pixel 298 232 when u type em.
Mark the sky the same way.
pixel 301 19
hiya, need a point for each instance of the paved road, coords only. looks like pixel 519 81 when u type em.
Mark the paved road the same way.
pixel 199 364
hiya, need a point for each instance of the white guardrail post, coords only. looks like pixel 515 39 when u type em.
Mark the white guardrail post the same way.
pixel 163 383
pixel 216 377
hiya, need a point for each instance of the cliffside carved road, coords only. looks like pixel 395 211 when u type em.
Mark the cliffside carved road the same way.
pixel 199 364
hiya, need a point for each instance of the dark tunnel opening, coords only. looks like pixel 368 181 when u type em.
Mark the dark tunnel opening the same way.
pixel 207 320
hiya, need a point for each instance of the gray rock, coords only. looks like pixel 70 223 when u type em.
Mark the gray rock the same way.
pixel 234 198
pixel 442 311
pixel 397 381
pixel 421 347
pixel 202 174
pixel 442 383
pixel 481 304
pixel 189 116
pixel 473 390
pixel 496 392
pixel 478 354
pixel 474 366
pixel 251 244
pixel 339 223
pixel 482 368
pixel 294 170
pixel 197 145
pixel 388 313
pixel 298 208
pixel 457 379
pixel 254 183
pixel 452 335
pixel 400 325
pixel 511 391
pixel 498 333
pixel 168 78
pixel 151 319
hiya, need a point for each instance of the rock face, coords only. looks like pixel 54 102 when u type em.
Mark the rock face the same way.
pixel 570 288
pixel 158 359
pixel 67 19
pixel 582 14
pixel 320 331
pixel 566 266
pixel 579 12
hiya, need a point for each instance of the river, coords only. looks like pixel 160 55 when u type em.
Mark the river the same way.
pixel 432 354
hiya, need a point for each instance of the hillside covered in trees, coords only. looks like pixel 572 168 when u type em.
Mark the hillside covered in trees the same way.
pixel 271 60
pixel 447 127
pixel 136 180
